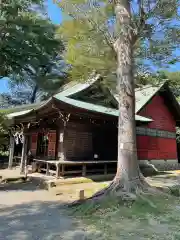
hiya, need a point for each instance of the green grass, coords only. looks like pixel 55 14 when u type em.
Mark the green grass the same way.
pixel 151 218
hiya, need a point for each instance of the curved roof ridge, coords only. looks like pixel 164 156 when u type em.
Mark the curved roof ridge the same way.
pixel 78 87
pixel 149 86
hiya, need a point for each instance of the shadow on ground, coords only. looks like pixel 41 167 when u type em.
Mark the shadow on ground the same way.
pixel 30 185
pixel 35 220
pixel 29 213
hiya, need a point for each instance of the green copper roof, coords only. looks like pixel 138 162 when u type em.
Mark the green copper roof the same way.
pixel 76 88
pixel 15 114
pixel 20 108
pixel 79 104
pixel 96 108
pixel 143 95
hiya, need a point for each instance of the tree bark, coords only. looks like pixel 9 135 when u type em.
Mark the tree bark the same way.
pixel 128 178
pixel 128 173
pixel 33 98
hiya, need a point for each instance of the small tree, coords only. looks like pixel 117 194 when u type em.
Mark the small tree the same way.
pixel 119 34
pixel 40 83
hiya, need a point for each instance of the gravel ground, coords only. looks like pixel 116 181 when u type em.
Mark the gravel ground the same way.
pixel 30 213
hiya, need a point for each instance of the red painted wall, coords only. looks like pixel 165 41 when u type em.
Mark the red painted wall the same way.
pixel 52 143
pixel 158 111
pixel 33 148
pixel 156 147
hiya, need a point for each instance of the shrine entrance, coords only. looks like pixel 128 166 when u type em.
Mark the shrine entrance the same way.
pixel 105 142
pixel 42 145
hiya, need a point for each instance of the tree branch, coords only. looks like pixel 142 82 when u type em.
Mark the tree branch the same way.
pixel 107 37
pixel 142 23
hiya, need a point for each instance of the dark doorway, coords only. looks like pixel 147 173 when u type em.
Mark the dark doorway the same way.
pixel 18 149
pixel 42 145
pixel 105 142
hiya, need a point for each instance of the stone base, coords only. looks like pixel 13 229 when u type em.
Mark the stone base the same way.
pixel 161 165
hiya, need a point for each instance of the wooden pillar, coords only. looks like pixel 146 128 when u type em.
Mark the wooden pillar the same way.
pixel 47 169
pixel 81 194
pixel 25 166
pixel 62 128
pixel 105 169
pixel 57 170
pixel 24 154
pixel 84 170
pixel 63 170
pixel 61 148
pixel 11 152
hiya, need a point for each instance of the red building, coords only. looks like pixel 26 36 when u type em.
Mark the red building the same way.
pixel 78 126
pixel 158 141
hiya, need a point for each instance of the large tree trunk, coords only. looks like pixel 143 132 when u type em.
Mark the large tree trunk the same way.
pixel 128 178
pixel 128 175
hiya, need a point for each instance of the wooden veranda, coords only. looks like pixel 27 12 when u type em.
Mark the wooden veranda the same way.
pixel 65 168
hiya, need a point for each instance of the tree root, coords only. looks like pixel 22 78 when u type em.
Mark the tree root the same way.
pixel 124 191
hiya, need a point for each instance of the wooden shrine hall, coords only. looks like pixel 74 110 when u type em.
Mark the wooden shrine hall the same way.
pixel 75 131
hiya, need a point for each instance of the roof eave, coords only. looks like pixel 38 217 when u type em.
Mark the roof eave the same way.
pixel 89 106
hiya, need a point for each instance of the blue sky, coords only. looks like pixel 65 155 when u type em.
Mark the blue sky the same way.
pixel 54 12
pixel 56 17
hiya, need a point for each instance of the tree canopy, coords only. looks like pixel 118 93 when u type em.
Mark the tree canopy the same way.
pixel 27 38
pixel 42 82
pixel 91 31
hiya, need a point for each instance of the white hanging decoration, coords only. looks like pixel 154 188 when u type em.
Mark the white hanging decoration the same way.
pixel 16 138
pixel 21 137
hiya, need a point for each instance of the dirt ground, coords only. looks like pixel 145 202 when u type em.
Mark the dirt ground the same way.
pixel 30 213
pixel 64 191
